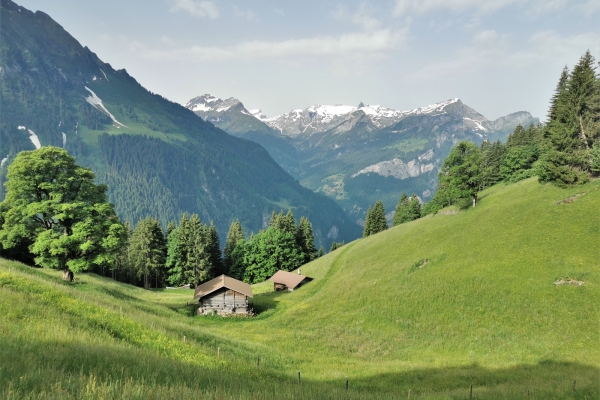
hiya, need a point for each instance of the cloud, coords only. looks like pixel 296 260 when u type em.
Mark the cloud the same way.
pixel 533 7
pixel 488 48
pixel 246 14
pixel 350 44
pixel 362 17
pixel 195 8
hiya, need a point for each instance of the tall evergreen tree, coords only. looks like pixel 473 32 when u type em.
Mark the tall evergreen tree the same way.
pixel 379 221
pixel 148 251
pixel 214 251
pixel 177 250
pixel 401 214
pixel 574 126
pixel 367 230
pixel 198 263
pixel 306 240
pixel 234 235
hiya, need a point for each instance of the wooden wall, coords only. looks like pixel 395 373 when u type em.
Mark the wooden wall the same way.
pixel 224 300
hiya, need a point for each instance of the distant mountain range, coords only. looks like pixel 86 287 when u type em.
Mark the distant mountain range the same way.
pixel 360 154
pixel 157 158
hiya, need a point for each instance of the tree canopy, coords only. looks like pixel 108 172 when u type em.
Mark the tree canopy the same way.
pixel 55 206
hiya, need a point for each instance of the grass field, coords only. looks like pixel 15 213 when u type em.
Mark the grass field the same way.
pixel 433 306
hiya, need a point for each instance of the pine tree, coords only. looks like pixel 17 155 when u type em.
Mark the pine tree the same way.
pixel 306 240
pixel 401 214
pixel 214 251
pixel 560 88
pixel 573 127
pixel 234 235
pixel 367 230
pixel 177 252
pixel 414 208
pixel 288 223
pixel 148 250
pixel 198 265
pixel 379 221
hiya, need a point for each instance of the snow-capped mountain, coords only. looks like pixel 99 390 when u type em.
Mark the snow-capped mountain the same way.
pixel 322 118
pixel 360 154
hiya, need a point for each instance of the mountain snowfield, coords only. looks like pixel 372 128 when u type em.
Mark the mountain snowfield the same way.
pixel 360 154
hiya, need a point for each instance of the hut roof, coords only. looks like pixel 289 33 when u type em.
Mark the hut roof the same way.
pixel 221 282
pixel 289 279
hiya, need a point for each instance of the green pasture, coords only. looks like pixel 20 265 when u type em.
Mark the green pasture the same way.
pixel 432 307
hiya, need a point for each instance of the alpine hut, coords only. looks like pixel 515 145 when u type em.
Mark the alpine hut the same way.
pixel 223 295
pixel 284 280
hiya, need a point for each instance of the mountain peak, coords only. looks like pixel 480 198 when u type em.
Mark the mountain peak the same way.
pixel 209 103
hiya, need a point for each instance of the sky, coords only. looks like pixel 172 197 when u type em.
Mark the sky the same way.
pixel 497 56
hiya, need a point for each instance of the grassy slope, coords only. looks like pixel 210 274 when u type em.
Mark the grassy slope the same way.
pixel 484 310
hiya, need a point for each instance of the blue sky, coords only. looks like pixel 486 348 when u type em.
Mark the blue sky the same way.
pixel 498 56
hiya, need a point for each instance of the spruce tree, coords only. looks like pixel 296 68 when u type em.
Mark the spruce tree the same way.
pixel 147 251
pixel 234 235
pixel 367 230
pixel 414 208
pixel 214 251
pixel 306 240
pixel 401 214
pixel 177 252
pixel 573 127
pixel 379 221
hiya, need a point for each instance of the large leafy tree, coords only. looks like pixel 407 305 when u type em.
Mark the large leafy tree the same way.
pixel 460 176
pixel 54 204
pixel 269 251
pixel 408 209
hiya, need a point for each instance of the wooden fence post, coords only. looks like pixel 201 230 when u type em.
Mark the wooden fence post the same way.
pixel 574 383
pixel 184 339
pixel 298 377
pixel 258 363
pixel 408 394
pixel 471 392
pixel 346 385
pixel 218 353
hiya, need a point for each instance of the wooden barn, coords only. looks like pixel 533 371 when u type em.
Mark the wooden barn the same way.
pixel 283 280
pixel 223 295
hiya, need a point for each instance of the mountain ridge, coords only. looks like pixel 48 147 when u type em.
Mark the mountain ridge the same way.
pixel 157 158
pixel 360 154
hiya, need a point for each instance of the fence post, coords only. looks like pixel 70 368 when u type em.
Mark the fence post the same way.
pixel 184 339
pixel 574 383
pixel 218 353
pixel 298 377
pixel 258 363
pixel 408 394
pixel 471 392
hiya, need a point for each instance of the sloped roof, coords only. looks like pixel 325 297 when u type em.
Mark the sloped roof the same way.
pixel 220 282
pixel 289 279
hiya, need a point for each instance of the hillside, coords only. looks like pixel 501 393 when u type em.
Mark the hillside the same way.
pixel 157 158
pixel 358 155
pixel 484 309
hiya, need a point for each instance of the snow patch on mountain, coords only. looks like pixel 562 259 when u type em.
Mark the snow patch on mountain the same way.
pixel 258 114
pixel 3 161
pixel 104 75
pixel 21 128
pixel 34 139
pixel 325 117
pixel 97 103
pixel 64 138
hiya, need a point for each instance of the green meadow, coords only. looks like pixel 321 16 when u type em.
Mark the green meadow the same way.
pixel 503 297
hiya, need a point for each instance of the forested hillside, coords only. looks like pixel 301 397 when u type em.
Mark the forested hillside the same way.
pixel 157 158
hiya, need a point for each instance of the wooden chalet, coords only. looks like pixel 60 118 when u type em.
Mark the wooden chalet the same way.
pixel 223 295
pixel 283 280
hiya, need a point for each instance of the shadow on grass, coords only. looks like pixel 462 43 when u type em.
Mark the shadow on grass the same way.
pixel 62 361
pixel 266 301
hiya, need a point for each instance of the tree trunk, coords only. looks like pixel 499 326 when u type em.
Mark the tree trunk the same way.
pixel 474 199
pixel 68 275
